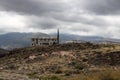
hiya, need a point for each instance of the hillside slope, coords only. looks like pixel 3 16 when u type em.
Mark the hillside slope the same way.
pixel 66 61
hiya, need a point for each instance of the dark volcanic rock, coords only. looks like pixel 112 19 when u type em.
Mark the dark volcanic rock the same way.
pixel 112 58
pixel 3 52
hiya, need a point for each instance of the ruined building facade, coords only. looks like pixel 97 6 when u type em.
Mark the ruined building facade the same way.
pixel 44 41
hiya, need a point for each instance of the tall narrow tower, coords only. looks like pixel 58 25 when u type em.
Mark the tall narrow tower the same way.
pixel 58 37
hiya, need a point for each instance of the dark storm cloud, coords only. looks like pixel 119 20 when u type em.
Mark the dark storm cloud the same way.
pixel 103 7
pixel 34 7
pixel 42 7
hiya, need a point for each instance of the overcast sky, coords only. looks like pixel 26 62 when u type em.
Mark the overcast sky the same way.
pixel 81 17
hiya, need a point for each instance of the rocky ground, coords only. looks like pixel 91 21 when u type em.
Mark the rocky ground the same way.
pixel 59 62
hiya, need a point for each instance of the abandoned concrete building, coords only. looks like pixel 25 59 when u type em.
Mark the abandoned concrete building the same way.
pixel 44 41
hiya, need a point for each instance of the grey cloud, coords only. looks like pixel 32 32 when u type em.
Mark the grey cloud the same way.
pixel 43 25
pixel 38 8
pixel 102 7
pixel 79 18
pixel 49 14
pixel 58 10
pixel 42 22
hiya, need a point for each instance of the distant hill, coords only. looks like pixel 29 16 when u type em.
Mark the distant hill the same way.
pixel 17 40
pixel 93 39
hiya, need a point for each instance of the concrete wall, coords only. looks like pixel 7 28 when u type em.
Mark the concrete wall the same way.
pixel 43 41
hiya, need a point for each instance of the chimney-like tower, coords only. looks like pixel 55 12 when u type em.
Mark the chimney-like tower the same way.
pixel 58 37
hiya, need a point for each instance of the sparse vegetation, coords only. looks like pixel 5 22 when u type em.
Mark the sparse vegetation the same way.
pixel 68 73
pixel 108 76
pixel 58 71
pixel 85 61
pixel 32 74
pixel 49 78
pixel 80 66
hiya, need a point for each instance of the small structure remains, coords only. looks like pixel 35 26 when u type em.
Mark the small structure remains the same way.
pixel 75 41
pixel 45 41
